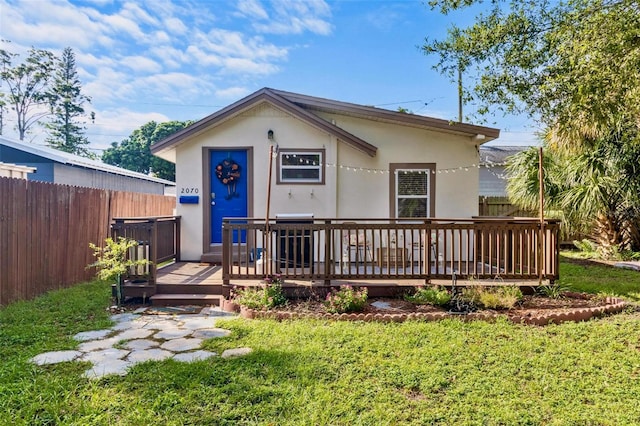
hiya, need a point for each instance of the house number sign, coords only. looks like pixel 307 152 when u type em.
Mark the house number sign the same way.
pixel 189 190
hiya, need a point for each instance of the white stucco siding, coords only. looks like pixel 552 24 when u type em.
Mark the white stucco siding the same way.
pixel 366 194
pixel 245 131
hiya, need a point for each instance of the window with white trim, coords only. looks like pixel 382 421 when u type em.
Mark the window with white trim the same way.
pixel 301 166
pixel 413 198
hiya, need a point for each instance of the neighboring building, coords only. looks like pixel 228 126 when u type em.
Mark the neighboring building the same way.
pixel 493 159
pixel 334 160
pixel 60 167
pixel 15 171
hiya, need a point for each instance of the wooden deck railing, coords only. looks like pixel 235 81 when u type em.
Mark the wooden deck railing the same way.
pixel 158 241
pixel 390 249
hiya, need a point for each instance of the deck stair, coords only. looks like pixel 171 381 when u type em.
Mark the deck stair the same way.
pixel 187 283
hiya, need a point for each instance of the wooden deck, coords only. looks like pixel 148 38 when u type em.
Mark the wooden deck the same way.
pixel 189 283
pixel 385 255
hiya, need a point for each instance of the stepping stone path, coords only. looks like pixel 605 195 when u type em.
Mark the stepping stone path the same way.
pixel 137 337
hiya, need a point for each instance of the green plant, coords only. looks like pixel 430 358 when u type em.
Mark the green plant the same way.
pixel 498 297
pixel 113 261
pixel 553 291
pixel 346 299
pixel 268 296
pixel 429 296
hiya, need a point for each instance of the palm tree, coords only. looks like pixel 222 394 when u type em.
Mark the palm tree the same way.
pixel 595 187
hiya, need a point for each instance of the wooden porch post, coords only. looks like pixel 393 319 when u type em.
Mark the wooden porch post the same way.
pixel 266 257
pixel 328 252
pixel 541 238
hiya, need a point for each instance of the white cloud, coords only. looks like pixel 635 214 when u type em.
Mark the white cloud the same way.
pixel 247 66
pixel 141 64
pixel 49 25
pixel 296 17
pixel 120 25
pixel 175 26
pixel 114 125
pixel 232 51
pixel 232 92
pixel 253 9
pixel 135 13
pixel 170 56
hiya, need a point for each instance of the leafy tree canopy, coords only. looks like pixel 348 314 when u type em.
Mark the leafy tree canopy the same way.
pixel 26 86
pixel 134 153
pixel 574 65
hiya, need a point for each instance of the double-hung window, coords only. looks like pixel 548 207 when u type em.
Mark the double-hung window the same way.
pixel 301 166
pixel 413 189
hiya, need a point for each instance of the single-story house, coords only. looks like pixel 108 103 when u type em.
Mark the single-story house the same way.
pixel 330 159
pixel 52 165
pixel 493 159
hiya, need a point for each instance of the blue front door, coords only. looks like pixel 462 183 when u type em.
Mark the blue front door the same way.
pixel 228 189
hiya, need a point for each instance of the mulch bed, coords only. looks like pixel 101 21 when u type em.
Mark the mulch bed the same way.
pixel 534 310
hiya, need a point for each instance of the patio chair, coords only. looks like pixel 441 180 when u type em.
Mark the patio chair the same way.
pixel 358 241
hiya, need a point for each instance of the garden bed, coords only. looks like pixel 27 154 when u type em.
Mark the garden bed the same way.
pixel 532 309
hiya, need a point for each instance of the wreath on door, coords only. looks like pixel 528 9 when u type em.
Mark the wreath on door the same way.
pixel 228 173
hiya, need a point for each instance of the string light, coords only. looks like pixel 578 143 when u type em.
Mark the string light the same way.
pixel 488 165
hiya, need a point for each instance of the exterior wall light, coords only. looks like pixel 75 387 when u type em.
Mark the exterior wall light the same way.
pixel 270 135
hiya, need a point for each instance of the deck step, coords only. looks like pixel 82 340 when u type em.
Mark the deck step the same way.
pixel 186 299
pixel 189 288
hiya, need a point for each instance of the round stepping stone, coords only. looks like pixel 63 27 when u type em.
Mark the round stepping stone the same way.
pixel 172 334
pixel 91 335
pixel 149 355
pixel 55 357
pixel 231 353
pixel 104 355
pixel 140 344
pixel 194 356
pixel 211 334
pixel 181 345
pixel 115 366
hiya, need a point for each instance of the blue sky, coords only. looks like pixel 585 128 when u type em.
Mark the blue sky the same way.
pixel 178 60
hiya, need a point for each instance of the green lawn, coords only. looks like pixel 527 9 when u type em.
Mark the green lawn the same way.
pixel 312 372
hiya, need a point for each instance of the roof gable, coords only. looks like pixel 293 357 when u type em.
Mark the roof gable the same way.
pixel 263 95
pixel 303 107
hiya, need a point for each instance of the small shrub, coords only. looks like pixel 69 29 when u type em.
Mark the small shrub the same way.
pixel 502 297
pixel 553 291
pixel 346 299
pixel 270 295
pixel 112 260
pixel 588 249
pixel 437 296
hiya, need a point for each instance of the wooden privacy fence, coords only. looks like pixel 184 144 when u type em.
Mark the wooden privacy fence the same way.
pixel 501 206
pixel 45 231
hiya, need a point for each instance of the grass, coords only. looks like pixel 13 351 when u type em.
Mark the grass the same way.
pixel 313 372
pixel 590 278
